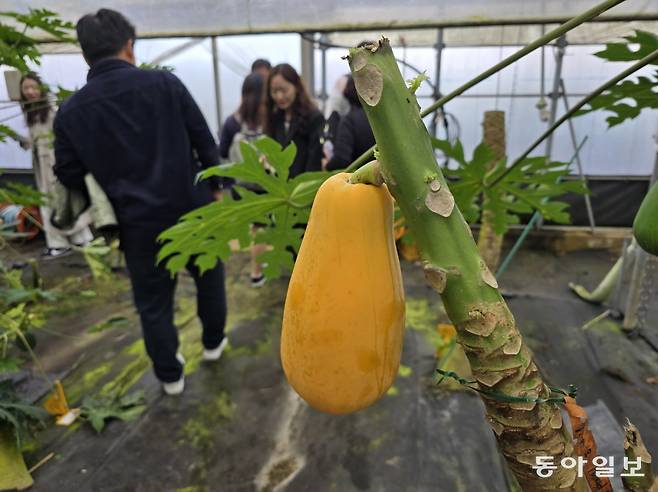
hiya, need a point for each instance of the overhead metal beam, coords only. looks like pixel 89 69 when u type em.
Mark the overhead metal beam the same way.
pixel 176 50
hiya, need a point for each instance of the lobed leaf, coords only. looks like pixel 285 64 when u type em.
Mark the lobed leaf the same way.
pixel 203 235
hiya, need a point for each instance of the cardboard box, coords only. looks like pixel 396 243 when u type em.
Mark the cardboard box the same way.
pixel 13 82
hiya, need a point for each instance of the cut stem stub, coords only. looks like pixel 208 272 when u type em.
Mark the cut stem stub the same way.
pixel 368 174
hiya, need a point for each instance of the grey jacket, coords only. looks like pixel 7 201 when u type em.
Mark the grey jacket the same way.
pixel 68 204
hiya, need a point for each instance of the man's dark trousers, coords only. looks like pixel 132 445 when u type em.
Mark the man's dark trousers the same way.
pixel 153 291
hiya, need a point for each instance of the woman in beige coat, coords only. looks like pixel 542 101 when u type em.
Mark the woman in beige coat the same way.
pixel 39 115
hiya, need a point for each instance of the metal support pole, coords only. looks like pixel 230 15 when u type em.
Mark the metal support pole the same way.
pixel 542 79
pixel 323 88
pixel 572 131
pixel 218 94
pixel 437 82
pixel 308 65
pixel 561 44
pixel 559 57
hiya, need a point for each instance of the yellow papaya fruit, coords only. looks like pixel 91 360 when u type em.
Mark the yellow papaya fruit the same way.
pixel 645 225
pixel 343 321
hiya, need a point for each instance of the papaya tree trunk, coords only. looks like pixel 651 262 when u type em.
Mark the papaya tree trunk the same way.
pixel 490 243
pixel 499 359
pixel 13 472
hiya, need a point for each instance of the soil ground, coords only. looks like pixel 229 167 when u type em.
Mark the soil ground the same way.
pixel 239 427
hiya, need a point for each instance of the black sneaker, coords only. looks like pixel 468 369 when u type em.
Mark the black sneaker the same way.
pixel 257 281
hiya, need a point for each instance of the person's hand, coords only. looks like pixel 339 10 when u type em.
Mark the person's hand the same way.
pixel 218 195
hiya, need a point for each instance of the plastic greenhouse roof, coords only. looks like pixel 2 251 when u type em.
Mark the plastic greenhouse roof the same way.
pixel 172 18
pixel 503 35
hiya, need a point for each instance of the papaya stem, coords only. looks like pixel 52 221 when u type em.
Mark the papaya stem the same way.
pixel 368 174
pixel 500 361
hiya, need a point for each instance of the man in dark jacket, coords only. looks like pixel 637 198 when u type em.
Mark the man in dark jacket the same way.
pixel 140 133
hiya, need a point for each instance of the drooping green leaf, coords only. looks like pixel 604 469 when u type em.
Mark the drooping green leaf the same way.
pixel 208 230
pixel 110 323
pixel 205 262
pixel 18 47
pixel 15 298
pixel 531 186
pixel 645 41
pixel 283 235
pixel 453 151
pixel 467 181
pixel 9 418
pixel 9 364
pixel 643 92
pixel 23 417
pixel 99 410
pixel 46 21
pixel 21 194
pixel 250 170
pixel 276 156
pixel 630 97
pixel 97 255
pixel 303 188
pixel 11 297
pixel 8 132
pixel 264 163
pixel 204 235
pixel 178 262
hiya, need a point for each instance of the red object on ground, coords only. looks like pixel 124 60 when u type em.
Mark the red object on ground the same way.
pixel 26 220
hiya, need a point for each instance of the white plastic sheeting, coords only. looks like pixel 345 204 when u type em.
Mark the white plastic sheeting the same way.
pixel 507 35
pixel 625 150
pixel 167 18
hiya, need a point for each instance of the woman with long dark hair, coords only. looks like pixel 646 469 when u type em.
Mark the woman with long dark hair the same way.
pixel 39 115
pixel 354 135
pixel 291 116
pixel 245 126
pixel 246 121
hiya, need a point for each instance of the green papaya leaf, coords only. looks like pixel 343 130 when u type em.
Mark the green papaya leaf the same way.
pixel 99 410
pixel 527 188
pixel 9 364
pixel 110 323
pixel 629 98
pixel 205 234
